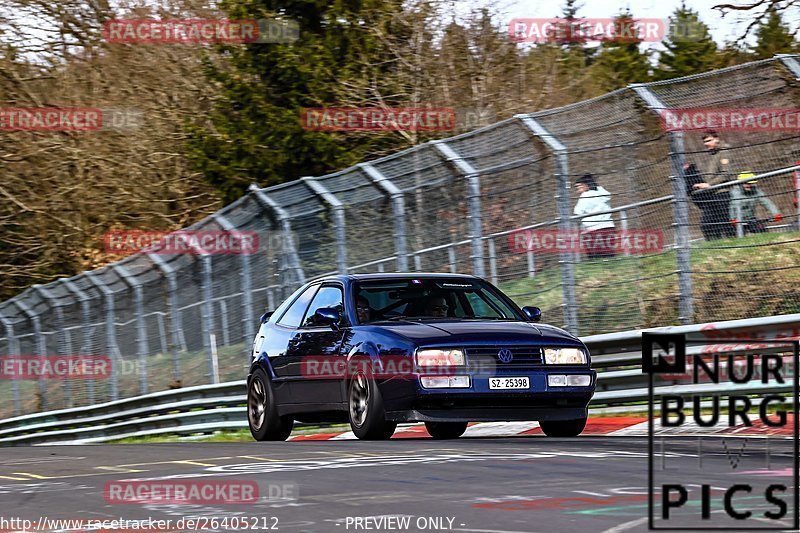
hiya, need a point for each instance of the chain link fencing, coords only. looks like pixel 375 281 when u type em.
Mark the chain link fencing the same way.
pixel 481 202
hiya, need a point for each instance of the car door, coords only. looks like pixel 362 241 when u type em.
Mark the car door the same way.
pixel 277 343
pixel 315 363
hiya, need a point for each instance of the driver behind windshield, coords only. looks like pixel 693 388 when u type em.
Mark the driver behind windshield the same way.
pixel 363 310
pixel 436 307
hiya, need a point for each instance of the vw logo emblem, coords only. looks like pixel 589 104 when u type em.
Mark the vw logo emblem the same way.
pixel 505 355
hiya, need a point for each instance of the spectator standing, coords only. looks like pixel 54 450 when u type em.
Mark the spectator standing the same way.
pixel 715 168
pixel 597 231
pixel 745 199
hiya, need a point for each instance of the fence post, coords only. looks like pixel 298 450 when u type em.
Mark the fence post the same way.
pixel 13 350
pixel 111 333
pixel 175 324
pixel 41 346
pixel 492 261
pixel 475 215
pixel 564 212
pixel 207 310
pixel 247 292
pixel 337 210
pixel 680 208
pixel 284 220
pixel 141 328
pixel 83 298
pixel 531 264
pixel 398 212
pixel 63 338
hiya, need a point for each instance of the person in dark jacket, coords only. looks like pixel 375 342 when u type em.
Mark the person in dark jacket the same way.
pixel 715 168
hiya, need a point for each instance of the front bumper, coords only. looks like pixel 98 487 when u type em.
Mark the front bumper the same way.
pixel 408 401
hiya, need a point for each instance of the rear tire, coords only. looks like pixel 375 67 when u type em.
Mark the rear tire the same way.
pixel 262 411
pixel 365 409
pixel 446 430
pixel 563 428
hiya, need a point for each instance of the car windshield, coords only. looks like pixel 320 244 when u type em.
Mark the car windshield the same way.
pixel 425 298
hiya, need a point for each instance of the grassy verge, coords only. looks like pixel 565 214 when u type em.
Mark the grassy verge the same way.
pixel 758 275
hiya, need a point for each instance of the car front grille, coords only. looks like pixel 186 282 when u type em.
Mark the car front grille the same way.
pixel 522 356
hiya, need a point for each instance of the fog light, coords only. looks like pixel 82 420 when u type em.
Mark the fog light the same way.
pixel 579 380
pixel 445 382
pixel 556 380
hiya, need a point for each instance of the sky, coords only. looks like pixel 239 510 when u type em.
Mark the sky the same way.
pixel 729 28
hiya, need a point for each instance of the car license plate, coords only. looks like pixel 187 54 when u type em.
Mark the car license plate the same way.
pixel 509 383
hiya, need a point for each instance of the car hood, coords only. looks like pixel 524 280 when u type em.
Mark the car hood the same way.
pixel 476 332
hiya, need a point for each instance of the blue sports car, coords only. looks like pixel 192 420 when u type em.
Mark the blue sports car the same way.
pixel 378 349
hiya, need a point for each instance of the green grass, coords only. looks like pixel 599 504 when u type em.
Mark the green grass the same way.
pixel 642 291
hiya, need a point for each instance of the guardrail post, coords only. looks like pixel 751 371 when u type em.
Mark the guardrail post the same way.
pixel 175 324
pixel 13 351
pixel 284 220
pixel 398 212
pixel 680 208
pixel 475 216
pixel 63 339
pixel 337 210
pixel 564 212
pixel 141 327
pixel 41 345
pixel 111 332
pixel 83 298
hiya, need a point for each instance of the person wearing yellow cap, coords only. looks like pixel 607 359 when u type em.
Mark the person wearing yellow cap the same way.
pixel 745 199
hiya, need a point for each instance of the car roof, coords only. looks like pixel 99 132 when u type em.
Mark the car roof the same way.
pixel 394 275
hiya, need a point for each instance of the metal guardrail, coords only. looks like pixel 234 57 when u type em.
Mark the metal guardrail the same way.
pixel 209 408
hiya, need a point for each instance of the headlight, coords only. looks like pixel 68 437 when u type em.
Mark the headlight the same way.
pixel 564 356
pixel 440 358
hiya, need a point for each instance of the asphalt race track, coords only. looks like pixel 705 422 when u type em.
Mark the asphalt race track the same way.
pixel 511 484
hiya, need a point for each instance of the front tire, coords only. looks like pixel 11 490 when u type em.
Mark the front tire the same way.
pixel 563 428
pixel 365 410
pixel 446 430
pixel 262 411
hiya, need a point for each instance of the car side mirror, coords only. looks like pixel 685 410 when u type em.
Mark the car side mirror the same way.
pixel 327 316
pixel 534 314
pixel 266 316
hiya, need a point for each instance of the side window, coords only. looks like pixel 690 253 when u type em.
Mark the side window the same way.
pixel 326 297
pixel 480 307
pixel 292 317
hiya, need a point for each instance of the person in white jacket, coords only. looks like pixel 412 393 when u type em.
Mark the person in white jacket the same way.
pixel 597 231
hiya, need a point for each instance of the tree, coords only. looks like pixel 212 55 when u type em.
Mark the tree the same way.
pixel 342 58
pixel 620 60
pixel 773 36
pixel 689 46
